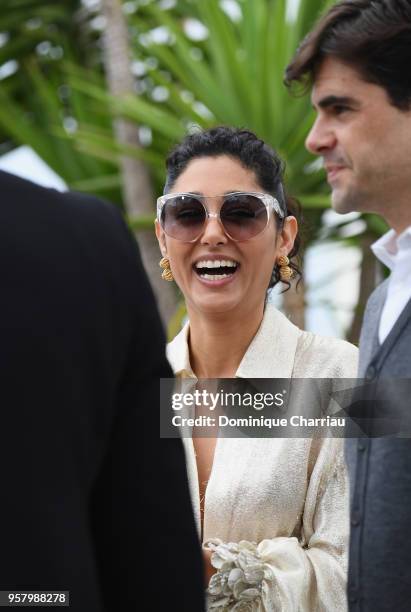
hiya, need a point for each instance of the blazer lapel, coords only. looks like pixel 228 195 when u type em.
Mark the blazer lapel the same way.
pixel 369 342
pixel 395 332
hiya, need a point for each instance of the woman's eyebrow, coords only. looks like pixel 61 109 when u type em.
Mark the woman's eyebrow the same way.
pixel 238 191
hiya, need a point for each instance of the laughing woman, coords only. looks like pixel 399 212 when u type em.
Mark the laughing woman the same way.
pixel 275 510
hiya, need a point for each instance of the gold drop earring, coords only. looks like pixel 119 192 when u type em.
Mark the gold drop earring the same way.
pixel 286 273
pixel 167 274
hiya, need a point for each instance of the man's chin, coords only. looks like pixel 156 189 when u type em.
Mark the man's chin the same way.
pixel 343 202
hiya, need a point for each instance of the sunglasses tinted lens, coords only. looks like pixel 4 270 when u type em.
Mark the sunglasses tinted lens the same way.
pixel 182 217
pixel 243 216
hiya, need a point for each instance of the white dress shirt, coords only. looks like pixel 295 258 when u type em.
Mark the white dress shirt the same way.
pixel 394 251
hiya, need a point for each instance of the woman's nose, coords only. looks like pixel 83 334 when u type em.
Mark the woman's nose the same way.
pixel 214 233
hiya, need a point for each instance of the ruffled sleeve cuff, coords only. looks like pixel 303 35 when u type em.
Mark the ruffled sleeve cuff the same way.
pixel 237 584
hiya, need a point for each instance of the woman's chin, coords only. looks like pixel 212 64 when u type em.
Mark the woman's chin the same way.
pixel 217 305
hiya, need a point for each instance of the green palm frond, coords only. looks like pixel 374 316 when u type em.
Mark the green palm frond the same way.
pixel 233 76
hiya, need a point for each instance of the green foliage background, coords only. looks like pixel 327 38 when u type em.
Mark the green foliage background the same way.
pixel 195 63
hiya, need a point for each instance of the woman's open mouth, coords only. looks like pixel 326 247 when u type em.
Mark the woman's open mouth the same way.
pixel 215 270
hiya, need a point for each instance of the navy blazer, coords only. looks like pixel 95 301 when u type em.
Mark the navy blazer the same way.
pixel 91 500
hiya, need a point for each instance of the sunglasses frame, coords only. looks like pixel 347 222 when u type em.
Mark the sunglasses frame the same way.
pixel 269 201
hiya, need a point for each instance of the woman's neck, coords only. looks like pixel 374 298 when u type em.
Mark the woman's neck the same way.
pixel 218 342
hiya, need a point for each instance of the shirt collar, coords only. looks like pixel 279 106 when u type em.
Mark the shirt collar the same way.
pixel 387 248
pixel 271 353
pixel 178 354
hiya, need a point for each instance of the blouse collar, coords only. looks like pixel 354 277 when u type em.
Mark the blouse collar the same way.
pixel 271 353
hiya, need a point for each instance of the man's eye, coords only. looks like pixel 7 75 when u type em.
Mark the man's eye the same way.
pixel 340 109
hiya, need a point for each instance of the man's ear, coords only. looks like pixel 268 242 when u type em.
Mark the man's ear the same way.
pixel 161 237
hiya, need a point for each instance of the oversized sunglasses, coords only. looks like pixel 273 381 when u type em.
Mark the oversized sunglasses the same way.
pixel 243 215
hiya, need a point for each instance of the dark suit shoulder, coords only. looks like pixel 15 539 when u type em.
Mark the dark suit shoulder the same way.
pixel 19 195
pixel 64 222
pixel 83 237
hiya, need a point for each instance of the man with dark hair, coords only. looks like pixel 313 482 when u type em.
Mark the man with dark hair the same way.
pixel 357 60
pixel 92 501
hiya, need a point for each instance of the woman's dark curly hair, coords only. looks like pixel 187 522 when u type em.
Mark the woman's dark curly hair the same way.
pixel 254 154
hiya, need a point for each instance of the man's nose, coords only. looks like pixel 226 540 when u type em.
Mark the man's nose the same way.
pixel 213 234
pixel 320 138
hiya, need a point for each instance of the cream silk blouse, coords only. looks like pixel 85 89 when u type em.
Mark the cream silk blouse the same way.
pixel 288 496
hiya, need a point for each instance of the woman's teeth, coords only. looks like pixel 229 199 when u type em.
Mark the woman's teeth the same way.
pixel 217 263
pixel 214 276
pixel 217 269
